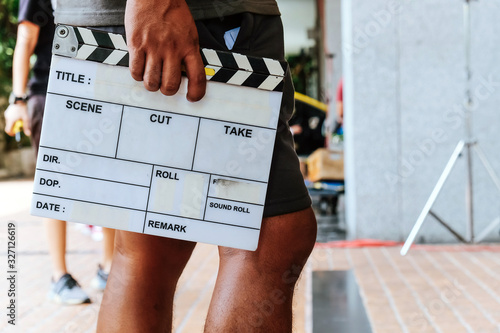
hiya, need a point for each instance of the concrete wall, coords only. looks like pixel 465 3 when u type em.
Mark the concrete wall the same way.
pixel 404 87
pixel 333 45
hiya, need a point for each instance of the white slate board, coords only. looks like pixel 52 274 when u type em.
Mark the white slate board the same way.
pixel 115 155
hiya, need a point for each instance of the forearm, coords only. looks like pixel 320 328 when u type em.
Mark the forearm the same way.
pixel 20 70
pixel 27 36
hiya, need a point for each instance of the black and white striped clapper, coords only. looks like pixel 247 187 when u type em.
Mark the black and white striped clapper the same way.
pixel 227 67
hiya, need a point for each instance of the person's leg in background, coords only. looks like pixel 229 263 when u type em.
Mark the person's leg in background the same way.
pixel 108 246
pixel 141 285
pixel 56 241
pixel 64 288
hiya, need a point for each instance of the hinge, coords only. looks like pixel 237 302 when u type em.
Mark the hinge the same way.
pixel 65 42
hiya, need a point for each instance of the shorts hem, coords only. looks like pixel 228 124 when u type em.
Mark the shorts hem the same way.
pixel 287 207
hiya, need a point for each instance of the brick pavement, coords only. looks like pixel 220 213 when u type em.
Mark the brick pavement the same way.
pixel 433 289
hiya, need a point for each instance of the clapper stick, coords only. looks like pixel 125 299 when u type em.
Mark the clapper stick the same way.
pixel 227 67
pixel 130 159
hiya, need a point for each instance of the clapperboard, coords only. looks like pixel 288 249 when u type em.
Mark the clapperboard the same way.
pixel 116 155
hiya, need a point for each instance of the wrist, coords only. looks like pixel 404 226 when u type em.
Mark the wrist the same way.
pixel 18 99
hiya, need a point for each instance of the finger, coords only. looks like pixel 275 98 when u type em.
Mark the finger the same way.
pixel 152 73
pixel 136 63
pixel 171 78
pixel 26 124
pixel 197 80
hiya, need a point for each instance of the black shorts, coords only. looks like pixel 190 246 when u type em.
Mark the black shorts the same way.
pixel 36 105
pixel 262 36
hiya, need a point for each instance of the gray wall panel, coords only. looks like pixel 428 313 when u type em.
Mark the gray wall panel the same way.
pixel 406 85
pixel 432 80
pixel 371 120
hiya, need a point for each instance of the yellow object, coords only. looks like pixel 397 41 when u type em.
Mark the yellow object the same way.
pixel 209 71
pixel 311 101
pixel 17 126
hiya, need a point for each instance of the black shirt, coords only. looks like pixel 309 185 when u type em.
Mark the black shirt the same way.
pixel 39 12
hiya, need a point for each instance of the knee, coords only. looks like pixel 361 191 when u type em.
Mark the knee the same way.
pixel 305 235
pixel 145 251
pixel 296 236
pixel 285 244
pixel 300 245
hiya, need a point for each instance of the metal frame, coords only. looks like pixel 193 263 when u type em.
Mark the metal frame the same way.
pixel 469 145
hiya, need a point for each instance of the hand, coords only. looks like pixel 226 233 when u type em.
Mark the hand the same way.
pixel 15 112
pixel 161 37
pixel 296 129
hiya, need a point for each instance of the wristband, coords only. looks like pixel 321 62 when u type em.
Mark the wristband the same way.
pixel 13 99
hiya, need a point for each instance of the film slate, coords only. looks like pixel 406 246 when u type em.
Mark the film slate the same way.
pixel 116 155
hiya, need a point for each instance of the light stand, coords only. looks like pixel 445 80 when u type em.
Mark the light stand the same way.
pixel 469 144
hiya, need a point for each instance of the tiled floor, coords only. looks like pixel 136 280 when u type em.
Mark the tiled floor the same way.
pixel 433 289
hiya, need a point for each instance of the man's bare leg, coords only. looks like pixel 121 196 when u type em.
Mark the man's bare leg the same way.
pixel 254 290
pixel 141 285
